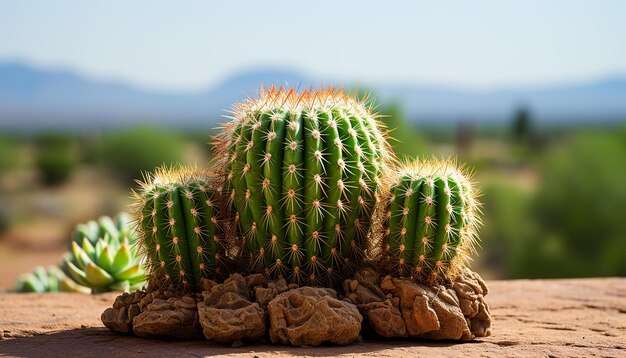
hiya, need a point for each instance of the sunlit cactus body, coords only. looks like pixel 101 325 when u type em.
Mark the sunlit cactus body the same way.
pixel 302 171
pixel 429 220
pixel 103 256
pixel 51 279
pixel 178 214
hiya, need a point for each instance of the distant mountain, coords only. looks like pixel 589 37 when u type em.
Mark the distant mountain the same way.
pixel 32 98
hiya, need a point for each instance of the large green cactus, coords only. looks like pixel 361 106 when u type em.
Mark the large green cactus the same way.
pixel 302 170
pixel 103 256
pixel 178 214
pixel 429 220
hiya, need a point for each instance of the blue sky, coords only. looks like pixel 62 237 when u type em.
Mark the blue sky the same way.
pixel 186 46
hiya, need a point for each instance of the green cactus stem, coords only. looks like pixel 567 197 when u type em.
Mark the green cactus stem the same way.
pixel 179 220
pixel 302 170
pixel 103 256
pixel 430 218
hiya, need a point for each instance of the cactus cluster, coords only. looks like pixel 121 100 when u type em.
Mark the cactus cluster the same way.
pixel 103 255
pixel 305 186
pixel 302 171
pixel 179 218
pixel 429 220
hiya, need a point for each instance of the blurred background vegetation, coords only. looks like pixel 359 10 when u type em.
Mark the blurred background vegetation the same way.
pixel 89 102
pixel 553 197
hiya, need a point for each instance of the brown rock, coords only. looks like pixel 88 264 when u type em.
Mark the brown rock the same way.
pixel 263 295
pixel 227 314
pixel 395 307
pixel 256 279
pixel 174 317
pixel 119 318
pixel 311 316
pixel 384 318
pixel 470 290
pixel 435 312
pixel 379 312
pixel 227 325
pixel 116 320
pixel 235 284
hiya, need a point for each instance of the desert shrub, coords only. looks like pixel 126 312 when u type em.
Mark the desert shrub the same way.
pixel 9 155
pixel 56 158
pixel 507 229
pixel 141 149
pixel 579 206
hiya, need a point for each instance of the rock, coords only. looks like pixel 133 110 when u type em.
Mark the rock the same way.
pixel 312 316
pixel 256 279
pixel 244 308
pixel 395 307
pixel 116 320
pixel 226 325
pixel 380 312
pixel 471 290
pixel 264 295
pixel 227 314
pixel 119 318
pixel 385 319
pixel 234 284
pixel 174 317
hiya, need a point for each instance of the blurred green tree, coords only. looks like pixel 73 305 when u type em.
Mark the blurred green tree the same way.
pixel 580 208
pixel 407 141
pixel 140 149
pixel 9 155
pixel 56 158
pixel 522 124
pixel 507 228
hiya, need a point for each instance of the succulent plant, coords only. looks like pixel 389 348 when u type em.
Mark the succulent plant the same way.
pixel 103 255
pixel 51 279
pixel 178 211
pixel 429 220
pixel 302 171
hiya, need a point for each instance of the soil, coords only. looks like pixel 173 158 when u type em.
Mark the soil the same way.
pixel 574 317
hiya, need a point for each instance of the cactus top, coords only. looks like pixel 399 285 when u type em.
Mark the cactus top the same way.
pixel 178 216
pixel 290 100
pixel 430 220
pixel 303 171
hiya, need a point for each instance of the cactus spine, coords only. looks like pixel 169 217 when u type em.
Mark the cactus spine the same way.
pixel 302 173
pixel 178 215
pixel 430 220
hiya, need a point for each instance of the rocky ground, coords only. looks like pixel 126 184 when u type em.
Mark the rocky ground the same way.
pixel 578 317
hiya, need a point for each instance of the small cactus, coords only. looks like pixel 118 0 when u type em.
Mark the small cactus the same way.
pixel 302 171
pixel 429 220
pixel 51 279
pixel 103 256
pixel 178 215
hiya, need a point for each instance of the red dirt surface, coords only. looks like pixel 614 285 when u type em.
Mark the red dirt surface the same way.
pixel 577 317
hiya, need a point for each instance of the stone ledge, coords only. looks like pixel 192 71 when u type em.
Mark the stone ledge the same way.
pixel 573 317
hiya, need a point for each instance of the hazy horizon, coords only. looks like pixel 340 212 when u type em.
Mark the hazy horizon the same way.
pixel 185 49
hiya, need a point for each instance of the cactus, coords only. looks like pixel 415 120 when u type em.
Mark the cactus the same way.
pixel 429 218
pixel 179 220
pixel 302 172
pixel 103 256
pixel 48 280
